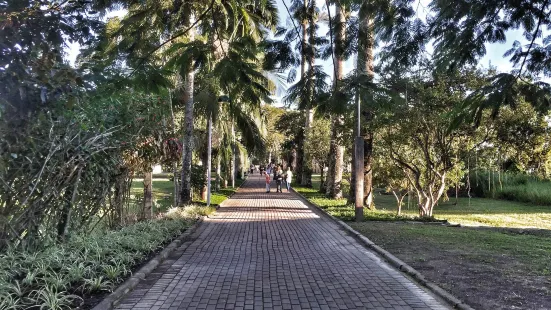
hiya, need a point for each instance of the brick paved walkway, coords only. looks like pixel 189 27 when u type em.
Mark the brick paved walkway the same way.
pixel 270 251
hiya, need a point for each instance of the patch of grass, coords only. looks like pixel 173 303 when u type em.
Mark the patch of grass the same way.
pixel 484 267
pixel 218 197
pixel 473 212
pixel 163 194
pixel 339 207
pixel 478 212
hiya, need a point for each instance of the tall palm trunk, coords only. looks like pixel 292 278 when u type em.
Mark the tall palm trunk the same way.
pixel 336 150
pixel 174 163
pixel 309 113
pixel 218 171
pixel 187 145
pixel 300 147
pixel 365 67
pixel 204 160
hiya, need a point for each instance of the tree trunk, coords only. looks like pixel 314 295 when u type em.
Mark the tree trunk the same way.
pixel 336 154
pixel 293 159
pixel 302 164
pixel 63 225
pixel 117 204
pixel 176 197
pixel 218 172
pixel 239 165
pixel 368 170
pixel 352 191
pixel 204 161
pixel 147 195
pixel 398 201
pixel 322 181
pixel 365 67
pixel 424 207
pixel 400 204
pixel 233 159
pixel 299 160
pixel 330 162
pixel 174 164
pixel 204 189
pixel 187 145
pixel 456 193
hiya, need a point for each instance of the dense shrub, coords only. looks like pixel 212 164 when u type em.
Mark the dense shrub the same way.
pixel 69 164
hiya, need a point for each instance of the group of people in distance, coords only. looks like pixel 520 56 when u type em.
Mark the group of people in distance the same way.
pixel 279 176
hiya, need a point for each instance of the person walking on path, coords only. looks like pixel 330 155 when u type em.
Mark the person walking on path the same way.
pixel 279 179
pixel 288 178
pixel 267 182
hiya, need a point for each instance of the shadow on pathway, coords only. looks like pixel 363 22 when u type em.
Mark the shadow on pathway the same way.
pixel 270 251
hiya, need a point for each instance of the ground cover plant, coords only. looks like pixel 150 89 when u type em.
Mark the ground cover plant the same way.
pixel 64 276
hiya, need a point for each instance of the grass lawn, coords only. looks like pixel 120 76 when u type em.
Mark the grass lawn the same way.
pixel 163 190
pixel 498 267
pixel 488 269
pixel 476 212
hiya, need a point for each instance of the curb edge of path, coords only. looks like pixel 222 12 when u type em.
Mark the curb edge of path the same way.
pixel 453 301
pixel 112 300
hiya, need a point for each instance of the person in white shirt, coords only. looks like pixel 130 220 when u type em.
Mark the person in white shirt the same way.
pixel 288 178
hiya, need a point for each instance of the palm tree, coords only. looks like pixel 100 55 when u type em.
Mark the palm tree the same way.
pixel 336 153
pixel 153 29
pixel 228 117
pixel 364 67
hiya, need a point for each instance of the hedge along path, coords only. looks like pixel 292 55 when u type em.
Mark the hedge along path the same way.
pixel 271 251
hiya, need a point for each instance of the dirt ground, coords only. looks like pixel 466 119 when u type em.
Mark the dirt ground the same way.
pixel 487 269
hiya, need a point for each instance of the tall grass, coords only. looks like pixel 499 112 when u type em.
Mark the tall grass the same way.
pixel 511 186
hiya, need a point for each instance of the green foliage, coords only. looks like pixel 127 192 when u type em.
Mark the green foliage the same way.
pixel 316 142
pixel 416 135
pixel 193 211
pixel 33 35
pixel 274 137
pixel 470 212
pixel 197 177
pixel 511 186
pixel 74 146
pixel 53 278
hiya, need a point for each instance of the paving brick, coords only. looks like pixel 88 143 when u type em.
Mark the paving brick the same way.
pixel 271 251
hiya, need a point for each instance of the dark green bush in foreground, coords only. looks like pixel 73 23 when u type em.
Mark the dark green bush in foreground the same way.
pixel 56 277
